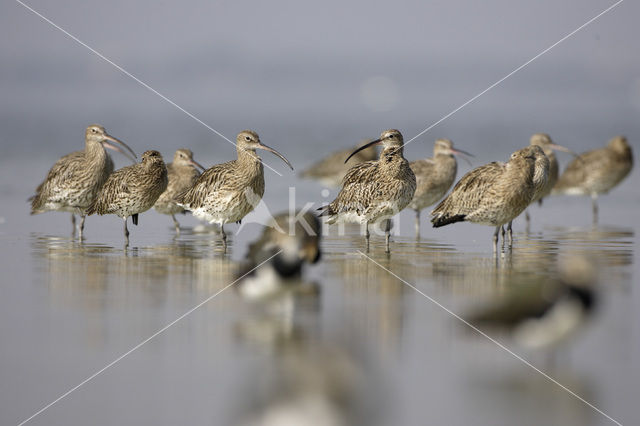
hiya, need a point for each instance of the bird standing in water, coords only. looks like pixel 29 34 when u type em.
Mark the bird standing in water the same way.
pixel 374 191
pixel 434 176
pixel 493 194
pixel 74 181
pixel 544 141
pixel 182 174
pixel 228 192
pixel 596 172
pixel 132 190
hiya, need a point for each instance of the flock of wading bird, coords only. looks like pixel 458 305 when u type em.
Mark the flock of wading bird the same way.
pixel 373 190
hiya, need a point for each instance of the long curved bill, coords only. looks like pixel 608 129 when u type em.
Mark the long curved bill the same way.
pixel 365 146
pixel 561 148
pixel 273 151
pixel 115 147
pixel 197 165
pixel 463 154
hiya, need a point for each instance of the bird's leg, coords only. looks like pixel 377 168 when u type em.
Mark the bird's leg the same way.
pixel 134 219
pixel 495 238
pixel 126 233
pixel 73 224
pixel 594 206
pixel 176 224
pixel 510 233
pixel 417 223
pixel 366 235
pixel 224 237
pixel 526 216
pixel 82 218
pixel 502 231
pixel 387 234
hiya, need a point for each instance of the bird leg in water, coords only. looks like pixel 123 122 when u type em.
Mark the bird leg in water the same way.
pixel 126 233
pixel 495 237
pixel 224 237
pixel 73 224
pixel 134 219
pixel 82 218
pixel 387 234
pixel 526 215
pixel 510 233
pixel 176 224
pixel 417 223
pixel 594 206
pixel 366 234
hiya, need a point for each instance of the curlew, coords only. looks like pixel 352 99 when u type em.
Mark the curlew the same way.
pixel 331 170
pixel 374 191
pixel 228 192
pixel 543 313
pixel 494 194
pixel 132 190
pixel 74 181
pixel 596 172
pixel 276 259
pixel 182 174
pixel 544 141
pixel 434 176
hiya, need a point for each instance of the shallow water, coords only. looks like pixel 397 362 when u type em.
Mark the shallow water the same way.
pixel 385 353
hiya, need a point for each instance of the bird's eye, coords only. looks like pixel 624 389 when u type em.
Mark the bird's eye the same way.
pixel 93 130
pixel 247 138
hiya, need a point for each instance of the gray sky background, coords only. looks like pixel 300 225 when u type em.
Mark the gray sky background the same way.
pixel 311 77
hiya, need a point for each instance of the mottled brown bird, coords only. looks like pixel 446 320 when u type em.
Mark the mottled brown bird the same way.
pixel 132 190
pixel 596 172
pixel 74 181
pixel 182 174
pixel 544 141
pixel 434 176
pixel 374 191
pixel 331 170
pixel 228 192
pixel 275 260
pixel 493 194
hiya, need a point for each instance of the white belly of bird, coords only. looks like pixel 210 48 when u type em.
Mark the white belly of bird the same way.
pixel 557 324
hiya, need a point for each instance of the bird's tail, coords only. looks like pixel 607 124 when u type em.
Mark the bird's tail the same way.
pixel 326 210
pixel 445 219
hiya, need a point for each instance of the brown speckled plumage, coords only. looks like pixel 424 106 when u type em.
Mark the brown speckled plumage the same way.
pixel 597 172
pixel 330 171
pixel 74 181
pixel 434 177
pixel 228 192
pixel 132 190
pixel 375 190
pixel 494 194
pixel 182 174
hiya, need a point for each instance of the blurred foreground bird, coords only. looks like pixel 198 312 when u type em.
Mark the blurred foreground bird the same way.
pixel 434 176
pixel 374 191
pixel 496 193
pixel 541 314
pixel 182 174
pixel 74 181
pixel 132 190
pixel 276 259
pixel 228 192
pixel 331 170
pixel 596 172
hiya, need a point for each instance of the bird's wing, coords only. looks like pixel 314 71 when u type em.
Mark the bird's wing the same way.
pixel 476 182
pixel 577 170
pixel 214 179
